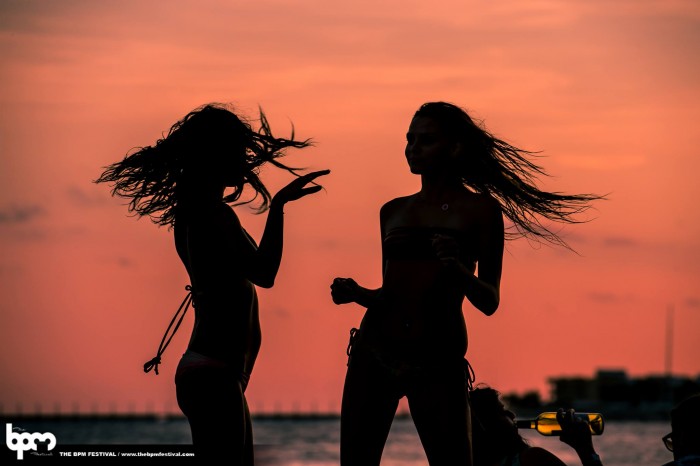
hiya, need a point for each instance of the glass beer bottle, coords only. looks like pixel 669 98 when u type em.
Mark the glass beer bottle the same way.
pixel 547 424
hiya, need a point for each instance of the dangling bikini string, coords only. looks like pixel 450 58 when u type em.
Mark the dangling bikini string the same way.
pixel 469 375
pixel 153 363
pixel 353 336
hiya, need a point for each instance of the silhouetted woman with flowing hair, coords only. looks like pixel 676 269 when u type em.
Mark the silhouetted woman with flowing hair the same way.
pixel 180 182
pixel 439 245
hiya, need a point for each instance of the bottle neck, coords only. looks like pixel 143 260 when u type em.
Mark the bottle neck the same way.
pixel 526 424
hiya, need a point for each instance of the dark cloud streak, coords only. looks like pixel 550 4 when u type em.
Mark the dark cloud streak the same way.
pixel 83 198
pixel 620 242
pixel 20 215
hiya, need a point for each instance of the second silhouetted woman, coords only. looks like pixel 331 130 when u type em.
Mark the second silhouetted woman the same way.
pixel 439 245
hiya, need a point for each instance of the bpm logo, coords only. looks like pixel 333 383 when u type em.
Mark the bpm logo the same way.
pixel 26 441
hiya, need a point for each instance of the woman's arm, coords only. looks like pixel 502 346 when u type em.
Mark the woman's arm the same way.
pixel 346 290
pixel 483 289
pixel 264 261
pixel 577 434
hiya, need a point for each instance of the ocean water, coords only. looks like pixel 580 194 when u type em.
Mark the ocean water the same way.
pixel 314 442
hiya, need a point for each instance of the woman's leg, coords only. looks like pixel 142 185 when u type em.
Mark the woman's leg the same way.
pixel 367 411
pixel 440 409
pixel 248 455
pixel 216 409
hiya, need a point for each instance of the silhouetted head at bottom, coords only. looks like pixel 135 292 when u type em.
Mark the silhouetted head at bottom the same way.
pixel 685 425
pixel 494 432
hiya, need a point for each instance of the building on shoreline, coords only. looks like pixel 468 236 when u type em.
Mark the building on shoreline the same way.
pixel 614 393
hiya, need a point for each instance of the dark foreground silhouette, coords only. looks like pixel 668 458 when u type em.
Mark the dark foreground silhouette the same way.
pixel 684 439
pixel 497 441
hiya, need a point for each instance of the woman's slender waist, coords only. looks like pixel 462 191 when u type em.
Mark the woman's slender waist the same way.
pixel 192 362
pixel 412 346
pixel 413 326
pixel 239 298
pixel 436 303
pixel 226 349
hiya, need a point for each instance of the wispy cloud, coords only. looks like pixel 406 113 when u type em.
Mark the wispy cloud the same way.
pixel 84 198
pixel 124 262
pixel 692 302
pixel 620 242
pixel 20 215
pixel 603 297
pixel 609 297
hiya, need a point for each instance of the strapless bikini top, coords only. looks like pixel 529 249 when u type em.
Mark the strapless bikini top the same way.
pixel 416 243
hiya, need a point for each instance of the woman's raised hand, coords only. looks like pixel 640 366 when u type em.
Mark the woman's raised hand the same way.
pixel 575 430
pixel 344 290
pixel 446 248
pixel 297 188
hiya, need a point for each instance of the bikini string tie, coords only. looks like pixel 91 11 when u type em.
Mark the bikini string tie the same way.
pixel 181 311
pixel 353 336
pixel 469 374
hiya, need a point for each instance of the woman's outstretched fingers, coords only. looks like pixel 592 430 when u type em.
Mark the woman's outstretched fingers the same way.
pixel 297 189
pixel 309 177
pixel 317 173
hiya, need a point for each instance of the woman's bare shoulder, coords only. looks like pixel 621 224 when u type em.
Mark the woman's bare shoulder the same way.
pixel 394 208
pixel 398 201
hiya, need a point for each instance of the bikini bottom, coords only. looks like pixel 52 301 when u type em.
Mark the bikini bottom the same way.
pixel 191 361
pixel 210 394
pixel 405 370
pixel 201 379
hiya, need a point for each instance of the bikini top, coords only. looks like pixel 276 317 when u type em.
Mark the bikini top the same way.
pixel 416 243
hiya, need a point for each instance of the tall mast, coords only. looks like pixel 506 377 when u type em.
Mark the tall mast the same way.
pixel 669 342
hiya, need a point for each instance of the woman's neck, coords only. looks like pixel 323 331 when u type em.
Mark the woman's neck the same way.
pixel 192 193
pixel 437 188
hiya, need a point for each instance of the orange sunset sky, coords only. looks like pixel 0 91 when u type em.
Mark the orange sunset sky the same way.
pixel 608 91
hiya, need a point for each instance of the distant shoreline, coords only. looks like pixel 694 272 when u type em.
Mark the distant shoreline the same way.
pixel 65 417
pixel 155 416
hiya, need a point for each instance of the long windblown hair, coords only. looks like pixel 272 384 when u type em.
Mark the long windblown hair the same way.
pixel 492 166
pixel 152 177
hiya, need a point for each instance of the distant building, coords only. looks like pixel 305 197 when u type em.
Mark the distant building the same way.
pixel 612 391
